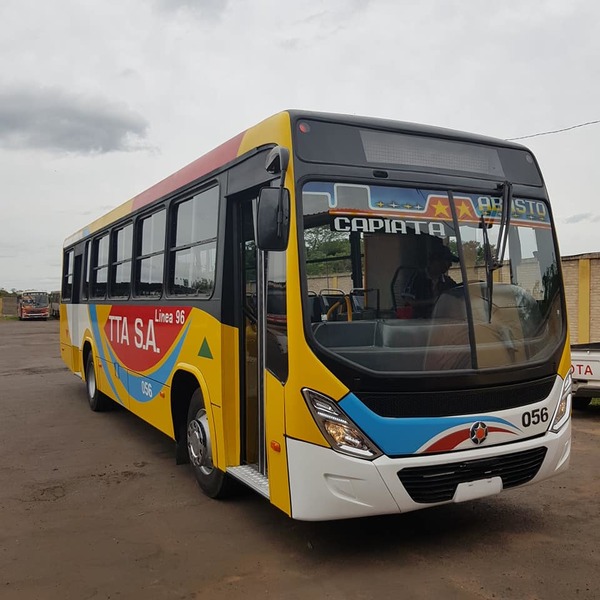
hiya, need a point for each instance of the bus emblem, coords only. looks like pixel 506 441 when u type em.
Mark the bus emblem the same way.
pixel 478 432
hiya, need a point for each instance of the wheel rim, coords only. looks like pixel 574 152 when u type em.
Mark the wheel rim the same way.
pixel 91 381
pixel 198 443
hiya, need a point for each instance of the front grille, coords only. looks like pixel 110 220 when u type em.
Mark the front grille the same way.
pixel 438 483
pixel 457 402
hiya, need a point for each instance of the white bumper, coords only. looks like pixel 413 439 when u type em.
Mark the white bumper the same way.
pixel 327 485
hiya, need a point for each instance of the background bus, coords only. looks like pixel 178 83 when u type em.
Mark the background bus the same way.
pixel 210 305
pixel 54 299
pixel 33 305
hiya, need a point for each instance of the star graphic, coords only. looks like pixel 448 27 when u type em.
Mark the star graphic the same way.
pixel 441 209
pixel 464 210
pixel 380 204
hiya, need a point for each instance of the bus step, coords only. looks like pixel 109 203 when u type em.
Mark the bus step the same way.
pixel 252 478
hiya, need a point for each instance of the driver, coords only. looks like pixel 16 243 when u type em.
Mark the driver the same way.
pixel 427 284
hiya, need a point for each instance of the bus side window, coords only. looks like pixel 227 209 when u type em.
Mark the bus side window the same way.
pixel 120 272
pixel 150 255
pixel 68 265
pixel 99 267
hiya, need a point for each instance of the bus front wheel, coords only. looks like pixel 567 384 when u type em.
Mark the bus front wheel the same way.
pixel 97 400
pixel 213 482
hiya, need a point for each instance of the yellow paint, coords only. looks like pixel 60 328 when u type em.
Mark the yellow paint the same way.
pixel 583 312
pixel 306 370
pixel 65 338
pixel 274 130
pixel 274 428
pixel 230 396
pixel 564 365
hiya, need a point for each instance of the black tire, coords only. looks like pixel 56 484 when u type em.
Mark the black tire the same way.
pixel 581 402
pixel 213 482
pixel 97 400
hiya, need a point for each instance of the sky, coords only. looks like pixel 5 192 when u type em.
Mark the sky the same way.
pixel 100 99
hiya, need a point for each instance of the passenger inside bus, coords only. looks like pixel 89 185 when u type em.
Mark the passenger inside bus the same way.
pixel 426 285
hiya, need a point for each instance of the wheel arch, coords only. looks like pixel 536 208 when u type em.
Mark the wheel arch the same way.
pixel 86 349
pixel 186 380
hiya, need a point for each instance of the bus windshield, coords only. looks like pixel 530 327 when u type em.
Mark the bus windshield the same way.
pixel 404 279
pixel 37 299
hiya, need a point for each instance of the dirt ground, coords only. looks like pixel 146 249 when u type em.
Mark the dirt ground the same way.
pixel 93 506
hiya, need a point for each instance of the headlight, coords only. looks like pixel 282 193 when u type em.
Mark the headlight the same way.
pixel 563 410
pixel 338 429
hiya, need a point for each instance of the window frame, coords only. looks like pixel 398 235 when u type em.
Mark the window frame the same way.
pixel 115 262
pixel 86 271
pixel 138 257
pixel 95 266
pixel 211 243
pixel 68 275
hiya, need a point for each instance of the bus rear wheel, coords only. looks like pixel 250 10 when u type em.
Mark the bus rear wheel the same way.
pixel 213 482
pixel 97 400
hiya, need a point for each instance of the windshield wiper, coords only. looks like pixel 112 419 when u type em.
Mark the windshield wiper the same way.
pixel 492 263
pixel 489 266
pixel 506 188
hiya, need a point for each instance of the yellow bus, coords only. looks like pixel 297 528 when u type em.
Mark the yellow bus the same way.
pixel 352 316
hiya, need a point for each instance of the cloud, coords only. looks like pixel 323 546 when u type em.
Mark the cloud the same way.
pixel 54 120
pixel 578 218
pixel 211 9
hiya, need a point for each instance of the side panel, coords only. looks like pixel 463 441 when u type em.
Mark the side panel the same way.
pixel 65 337
pixel 139 349
pixel 276 444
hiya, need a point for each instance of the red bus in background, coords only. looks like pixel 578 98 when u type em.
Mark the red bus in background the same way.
pixel 33 305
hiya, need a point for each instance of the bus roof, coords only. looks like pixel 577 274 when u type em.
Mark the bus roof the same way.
pixel 268 131
pixel 405 127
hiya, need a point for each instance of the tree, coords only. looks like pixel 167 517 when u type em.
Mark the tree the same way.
pixel 327 251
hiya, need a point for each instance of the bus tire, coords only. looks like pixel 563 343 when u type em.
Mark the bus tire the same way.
pixel 581 402
pixel 213 482
pixel 97 400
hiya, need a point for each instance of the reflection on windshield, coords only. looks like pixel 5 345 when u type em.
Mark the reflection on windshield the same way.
pixel 399 279
pixel 37 299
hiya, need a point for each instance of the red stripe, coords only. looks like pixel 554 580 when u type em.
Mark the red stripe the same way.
pixel 205 164
pixel 450 441
pixel 458 437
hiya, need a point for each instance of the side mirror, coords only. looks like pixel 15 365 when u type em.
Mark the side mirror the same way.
pixel 277 160
pixel 273 220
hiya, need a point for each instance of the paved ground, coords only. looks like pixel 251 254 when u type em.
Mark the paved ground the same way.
pixel 93 506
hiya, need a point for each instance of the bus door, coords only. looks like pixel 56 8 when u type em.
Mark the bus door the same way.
pixel 252 350
pixel 74 322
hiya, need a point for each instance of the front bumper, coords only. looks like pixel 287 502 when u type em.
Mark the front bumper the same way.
pixel 328 485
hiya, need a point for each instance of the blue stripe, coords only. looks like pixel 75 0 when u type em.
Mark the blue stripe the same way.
pixel 160 375
pixel 100 348
pixel 405 435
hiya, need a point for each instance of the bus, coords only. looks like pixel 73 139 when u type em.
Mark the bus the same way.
pixel 54 300
pixel 33 305
pixel 254 307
